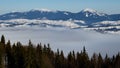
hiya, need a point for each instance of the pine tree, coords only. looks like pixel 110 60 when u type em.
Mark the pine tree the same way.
pixel 100 61
pixel 70 60
pixel 107 62
pixel 18 58
pixel 117 61
pixel 94 61
pixel 14 54
pixel 8 55
pixel 85 59
pixel 1 56
pixel 3 39
pixel 57 60
pixel 63 61
pixel 39 55
pixel 30 60
pixel 2 52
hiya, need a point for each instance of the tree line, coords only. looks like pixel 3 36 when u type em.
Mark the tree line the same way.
pixel 41 56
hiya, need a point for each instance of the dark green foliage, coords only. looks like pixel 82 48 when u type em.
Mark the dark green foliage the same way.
pixel 18 56
pixel 2 39
pixel 41 56
pixel 1 55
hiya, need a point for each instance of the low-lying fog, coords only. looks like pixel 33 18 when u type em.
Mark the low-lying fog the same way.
pixel 65 39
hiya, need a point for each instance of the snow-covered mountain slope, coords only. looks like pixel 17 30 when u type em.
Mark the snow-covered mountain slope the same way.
pixel 86 19
pixel 37 14
pixel 40 23
pixel 43 10
pixel 87 15
pixel 106 27
pixel 107 23
pixel 90 12
pixel 91 16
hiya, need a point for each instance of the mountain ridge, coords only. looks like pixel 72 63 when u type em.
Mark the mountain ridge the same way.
pixel 88 15
pixel 86 19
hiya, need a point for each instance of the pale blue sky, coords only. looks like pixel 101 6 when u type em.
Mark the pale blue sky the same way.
pixel 107 6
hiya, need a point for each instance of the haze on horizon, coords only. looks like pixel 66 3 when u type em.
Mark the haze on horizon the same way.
pixel 106 6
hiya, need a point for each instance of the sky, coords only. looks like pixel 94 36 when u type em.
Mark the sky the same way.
pixel 106 6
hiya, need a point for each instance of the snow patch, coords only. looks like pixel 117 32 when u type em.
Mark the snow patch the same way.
pixel 108 23
pixel 43 10
pixel 89 10
pixel 66 13
pixel 94 12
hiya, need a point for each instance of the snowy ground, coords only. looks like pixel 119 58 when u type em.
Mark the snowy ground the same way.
pixel 65 39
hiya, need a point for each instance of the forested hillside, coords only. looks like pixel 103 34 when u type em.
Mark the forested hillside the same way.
pixel 18 55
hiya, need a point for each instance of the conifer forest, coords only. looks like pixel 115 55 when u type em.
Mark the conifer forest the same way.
pixel 42 56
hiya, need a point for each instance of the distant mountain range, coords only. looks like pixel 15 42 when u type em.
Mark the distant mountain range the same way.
pixel 87 18
pixel 87 15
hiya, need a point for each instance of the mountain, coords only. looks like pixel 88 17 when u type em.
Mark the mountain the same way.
pixel 88 15
pixel 91 16
pixel 37 14
pixel 87 18
pixel 114 17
